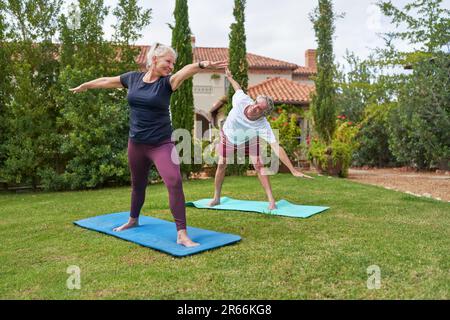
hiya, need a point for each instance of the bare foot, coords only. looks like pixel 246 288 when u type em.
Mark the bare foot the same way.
pixel 184 240
pixel 188 243
pixel 272 206
pixel 214 202
pixel 130 224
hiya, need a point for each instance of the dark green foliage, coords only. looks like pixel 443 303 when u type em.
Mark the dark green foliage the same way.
pixel 373 138
pixel 364 98
pixel 359 87
pixel 289 132
pixel 404 117
pixel 238 63
pixel 93 132
pixel 182 100
pixel 323 102
pixel 420 125
pixel 238 66
pixel 5 79
pixel 50 136
pixel 30 110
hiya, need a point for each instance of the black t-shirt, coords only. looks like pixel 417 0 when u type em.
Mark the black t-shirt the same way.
pixel 149 108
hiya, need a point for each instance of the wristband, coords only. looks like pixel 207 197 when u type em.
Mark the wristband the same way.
pixel 200 65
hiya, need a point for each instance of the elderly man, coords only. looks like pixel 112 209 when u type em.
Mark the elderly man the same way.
pixel 245 124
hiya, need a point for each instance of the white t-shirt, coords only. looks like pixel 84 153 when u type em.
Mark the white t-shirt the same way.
pixel 239 129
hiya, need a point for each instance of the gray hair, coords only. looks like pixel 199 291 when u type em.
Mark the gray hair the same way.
pixel 269 101
pixel 157 49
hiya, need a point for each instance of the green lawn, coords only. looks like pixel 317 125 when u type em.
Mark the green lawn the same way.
pixel 322 257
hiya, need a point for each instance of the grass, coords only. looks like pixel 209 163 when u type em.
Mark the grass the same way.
pixel 322 257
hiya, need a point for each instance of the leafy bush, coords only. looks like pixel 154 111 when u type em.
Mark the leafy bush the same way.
pixel 30 129
pixel 373 137
pixel 336 157
pixel 93 131
pixel 289 133
pixel 419 127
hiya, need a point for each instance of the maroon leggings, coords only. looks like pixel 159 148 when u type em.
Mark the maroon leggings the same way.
pixel 140 158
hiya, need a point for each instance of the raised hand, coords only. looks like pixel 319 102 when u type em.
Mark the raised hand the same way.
pixel 228 73
pixel 215 64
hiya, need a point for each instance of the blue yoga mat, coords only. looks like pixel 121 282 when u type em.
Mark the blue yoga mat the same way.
pixel 284 207
pixel 157 234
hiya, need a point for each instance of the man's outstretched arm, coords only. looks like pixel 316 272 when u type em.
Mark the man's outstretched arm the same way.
pixel 282 155
pixel 233 82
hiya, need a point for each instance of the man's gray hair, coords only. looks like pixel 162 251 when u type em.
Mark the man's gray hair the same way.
pixel 269 102
pixel 157 49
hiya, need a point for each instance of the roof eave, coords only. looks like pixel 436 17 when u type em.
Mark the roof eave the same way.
pixel 287 68
pixel 294 102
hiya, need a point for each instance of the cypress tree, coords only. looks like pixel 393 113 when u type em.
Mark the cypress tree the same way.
pixel 237 50
pixel 324 100
pixel 182 101
pixel 238 66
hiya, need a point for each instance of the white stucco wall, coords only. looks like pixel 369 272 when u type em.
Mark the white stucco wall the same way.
pixel 207 91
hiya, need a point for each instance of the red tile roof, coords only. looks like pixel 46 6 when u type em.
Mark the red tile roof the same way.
pixel 254 61
pixel 283 91
pixel 215 54
pixel 304 71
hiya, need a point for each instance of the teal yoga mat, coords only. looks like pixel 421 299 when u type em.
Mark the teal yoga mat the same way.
pixel 284 207
pixel 157 234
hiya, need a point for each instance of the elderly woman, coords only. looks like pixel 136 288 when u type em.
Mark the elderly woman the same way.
pixel 150 129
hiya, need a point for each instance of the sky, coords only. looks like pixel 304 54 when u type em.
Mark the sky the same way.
pixel 278 29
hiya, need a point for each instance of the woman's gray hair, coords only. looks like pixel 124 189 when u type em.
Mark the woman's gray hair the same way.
pixel 269 102
pixel 157 49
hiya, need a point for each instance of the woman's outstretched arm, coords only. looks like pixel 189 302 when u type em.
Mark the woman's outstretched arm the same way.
pixel 189 70
pixel 100 83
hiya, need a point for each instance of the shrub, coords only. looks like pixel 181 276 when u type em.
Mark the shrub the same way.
pixel 336 157
pixel 373 137
pixel 419 127
pixel 289 132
